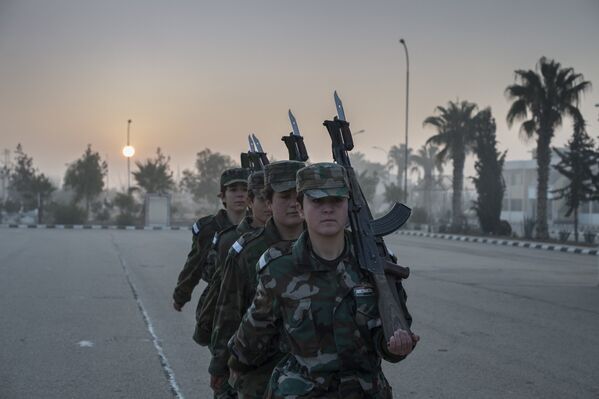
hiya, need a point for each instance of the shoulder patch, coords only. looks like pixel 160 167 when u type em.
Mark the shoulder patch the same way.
pixel 195 228
pixel 198 226
pixel 276 251
pixel 215 239
pixel 237 246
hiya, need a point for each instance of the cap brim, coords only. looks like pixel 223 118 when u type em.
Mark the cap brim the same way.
pixel 341 192
pixel 283 186
pixel 235 181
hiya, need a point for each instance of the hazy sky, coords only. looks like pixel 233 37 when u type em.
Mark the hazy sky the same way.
pixel 197 74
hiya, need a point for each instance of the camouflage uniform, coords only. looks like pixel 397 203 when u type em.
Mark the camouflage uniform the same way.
pixel 202 235
pixel 220 248
pixel 326 311
pixel 238 288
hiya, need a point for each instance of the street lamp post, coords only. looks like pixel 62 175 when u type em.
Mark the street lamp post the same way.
pixel 128 152
pixel 405 181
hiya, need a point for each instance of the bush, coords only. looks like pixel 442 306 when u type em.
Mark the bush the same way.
pixel 529 227
pixel 11 206
pixel 125 219
pixel 589 237
pixel 504 229
pixel 563 235
pixel 418 216
pixel 67 213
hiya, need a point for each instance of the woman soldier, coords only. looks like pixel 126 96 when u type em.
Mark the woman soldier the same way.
pixel 324 304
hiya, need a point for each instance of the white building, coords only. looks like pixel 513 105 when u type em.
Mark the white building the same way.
pixel 520 199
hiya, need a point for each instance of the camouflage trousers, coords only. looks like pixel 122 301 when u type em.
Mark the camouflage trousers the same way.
pixel 226 392
pixel 254 384
pixel 199 334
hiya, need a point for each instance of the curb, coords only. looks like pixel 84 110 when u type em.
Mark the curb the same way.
pixel 89 227
pixel 522 244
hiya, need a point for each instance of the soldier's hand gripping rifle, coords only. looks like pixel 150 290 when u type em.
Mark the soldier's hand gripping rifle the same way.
pixel 367 233
pixel 295 142
pixel 256 155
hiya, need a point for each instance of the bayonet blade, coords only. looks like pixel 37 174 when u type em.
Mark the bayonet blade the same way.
pixel 294 124
pixel 257 143
pixel 252 145
pixel 339 105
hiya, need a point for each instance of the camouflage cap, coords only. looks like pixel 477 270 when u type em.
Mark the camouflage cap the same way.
pixel 256 182
pixel 325 179
pixel 280 175
pixel 234 175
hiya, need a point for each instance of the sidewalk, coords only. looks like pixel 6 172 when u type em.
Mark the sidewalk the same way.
pixel 594 251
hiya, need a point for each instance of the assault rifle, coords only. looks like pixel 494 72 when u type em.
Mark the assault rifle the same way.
pixel 256 155
pixel 295 142
pixel 367 232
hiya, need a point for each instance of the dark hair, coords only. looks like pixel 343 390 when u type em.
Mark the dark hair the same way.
pixel 268 192
pixel 300 199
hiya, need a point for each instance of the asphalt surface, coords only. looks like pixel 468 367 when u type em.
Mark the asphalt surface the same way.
pixel 88 314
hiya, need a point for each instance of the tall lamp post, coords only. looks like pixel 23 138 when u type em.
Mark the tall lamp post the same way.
pixel 128 152
pixel 405 181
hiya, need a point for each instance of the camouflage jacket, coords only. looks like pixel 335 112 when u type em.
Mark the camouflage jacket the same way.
pixel 202 234
pixel 327 312
pixel 237 291
pixel 221 245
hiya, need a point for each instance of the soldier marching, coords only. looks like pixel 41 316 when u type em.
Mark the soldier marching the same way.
pixel 291 310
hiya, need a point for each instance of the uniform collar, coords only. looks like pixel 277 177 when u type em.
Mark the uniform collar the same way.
pixel 222 219
pixel 271 233
pixel 245 225
pixel 305 258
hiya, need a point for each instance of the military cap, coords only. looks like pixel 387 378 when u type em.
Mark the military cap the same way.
pixel 256 181
pixel 280 175
pixel 325 179
pixel 234 175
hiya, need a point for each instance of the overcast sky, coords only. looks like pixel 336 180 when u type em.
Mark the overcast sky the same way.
pixel 197 74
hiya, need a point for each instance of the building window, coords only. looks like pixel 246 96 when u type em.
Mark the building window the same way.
pixel 515 179
pixel 596 207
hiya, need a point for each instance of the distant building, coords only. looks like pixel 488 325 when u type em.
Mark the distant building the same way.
pixel 520 199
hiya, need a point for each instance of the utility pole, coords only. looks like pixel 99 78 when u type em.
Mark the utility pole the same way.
pixel 405 181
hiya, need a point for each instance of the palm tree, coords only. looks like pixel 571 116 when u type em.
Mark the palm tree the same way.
pixel 426 158
pixel 541 99
pixel 454 125
pixel 154 175
pixel 396 159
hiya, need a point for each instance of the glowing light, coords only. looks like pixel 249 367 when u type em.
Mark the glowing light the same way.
pixel 128 151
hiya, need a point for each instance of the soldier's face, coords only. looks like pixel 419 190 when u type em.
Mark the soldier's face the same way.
pixel 260 210
pixel 236 197
pixel 325 216
pixel 284 208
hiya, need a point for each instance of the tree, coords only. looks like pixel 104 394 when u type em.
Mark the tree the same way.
pixel 397 159
pixel 489 182
pixel 128 207
pixel 541 99
pixel 576 164
pixel 426 158
pixel 26 185
pixel 154 175
pixel 368 183
pixel 204 183
pixel 454 125
pixel 85 177
pixel 393 193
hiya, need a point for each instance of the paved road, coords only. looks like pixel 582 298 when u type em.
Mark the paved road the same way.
pixel 77 308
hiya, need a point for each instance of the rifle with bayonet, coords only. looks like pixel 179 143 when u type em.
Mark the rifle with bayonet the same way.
pixel 367 232
pixel 256 155
pixel 295 142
